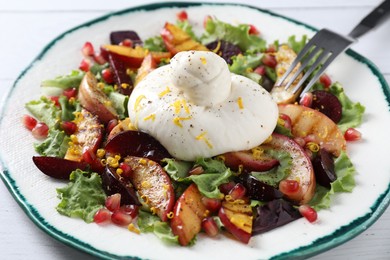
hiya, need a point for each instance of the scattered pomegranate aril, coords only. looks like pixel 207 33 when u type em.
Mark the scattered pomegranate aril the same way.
pixel 260 70
pixel 99 59
pixel 253 30
pixel 113 202
pixel 325 80
pixel 306 99
pixel 308 212
pixel 182 16
pixel 108 76
pixel 237 192
pixel 210 227
pixel 271 48
pixel 70 93
pixel 88 49
pixel 127 171
pixel 289 187
pixel 121 218
pixel 69 127
pixel 127 43
pixel 352 135
pixel 131 210
pixel 213 205
pixel 269 60
pixel 29 122
pixel 102 215
pixel 85 65
pixel 226 187
pixel 55 100
pixel 40 131
pixel 90 157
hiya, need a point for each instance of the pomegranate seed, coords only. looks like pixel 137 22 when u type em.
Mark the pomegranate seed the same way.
pixel 121 218
pixel 108 76
pixel 269 60
pixel 55 100
pixel 308 212
pixel 69 127
pixel 196 171
pixel 99 59
pixel 88 49
pixel 285 120
pixel 102 215
pixel 289 186
pixel 90 157
pixel 238 191
pixel 211 204
pixel 325 80
pixel 210 227
pixel 182 16
pixel 206 19
pixel 127 43
pixel 253 30
pixel 40 131
pixel 226 187
pixel 352 135
pixel 111 124
pixel 271 48
pixel 113 202
pixel 306 100
pixel 70 92
pixel 132 210
pixel 126 170
pixel 29 122
pixel 85 65
pixel 260 70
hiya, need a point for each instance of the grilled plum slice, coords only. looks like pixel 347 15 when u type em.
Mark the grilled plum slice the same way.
pixel 245 159
pixel 328 104
pixel 57 168
pixel 121 78
pixel 258 190
pixel 274 214
pixel 113 183
pixel 225 49
pixel 323 165
pixel 117 37
pixel 134 143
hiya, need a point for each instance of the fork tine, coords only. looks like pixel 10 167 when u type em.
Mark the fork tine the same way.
pixel 303 66
pixel 319 73
pixel 318 61
pixel 299 57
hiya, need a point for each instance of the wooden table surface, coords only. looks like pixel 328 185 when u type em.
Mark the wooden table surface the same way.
pixel 27 26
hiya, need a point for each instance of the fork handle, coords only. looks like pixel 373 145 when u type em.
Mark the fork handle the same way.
pixel 373 19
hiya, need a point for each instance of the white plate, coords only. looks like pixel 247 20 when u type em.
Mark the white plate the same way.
pixel 350 214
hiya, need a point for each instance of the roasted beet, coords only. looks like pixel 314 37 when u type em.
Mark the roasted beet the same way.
pixel 258 190
pixel 134 143
pixel 274 214
pixel 57 168
pixel 267 83
pixel 113 183
pixel 121 78
pixel 323 165
pixel 328 104
pixel 225 49
pixel 119 36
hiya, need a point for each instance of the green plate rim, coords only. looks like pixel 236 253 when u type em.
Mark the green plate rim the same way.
pixel 343 234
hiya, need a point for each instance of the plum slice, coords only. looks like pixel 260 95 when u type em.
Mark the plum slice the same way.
pixel 235 160
pixel 274 214
pixel 323 165
pixel 134 143
pixel 328 104
pixel 57 168
pixel 225 49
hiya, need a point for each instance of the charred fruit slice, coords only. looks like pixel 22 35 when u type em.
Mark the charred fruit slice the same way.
pixel 152 184
pixel 249 161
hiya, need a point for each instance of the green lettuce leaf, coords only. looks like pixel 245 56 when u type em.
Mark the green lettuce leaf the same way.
pixel 187 28
pixel 245 64
pixel 345 182
pixel 44 110
pixel 177 170
pixel 238 35
pixel 208 183
pixel 68 108
pixel 72 80
pixel 82 197
pixel 119 102
pixel 211 165
pixel 297 45
pixel 55 145
pixel 154 44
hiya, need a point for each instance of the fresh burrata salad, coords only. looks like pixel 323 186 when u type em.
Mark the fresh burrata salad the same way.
pixel 180 134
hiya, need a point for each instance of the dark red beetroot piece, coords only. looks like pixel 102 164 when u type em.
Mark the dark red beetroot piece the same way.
pixel 121 78
pixel 328 104
pixel 274 214
pixel 225 49
pixel 57 168
pixel 258 190
pixel 119 36
pixel 323 165
pixel 113 183
pixel 139 144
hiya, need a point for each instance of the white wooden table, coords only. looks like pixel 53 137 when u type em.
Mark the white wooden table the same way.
pixel 27 26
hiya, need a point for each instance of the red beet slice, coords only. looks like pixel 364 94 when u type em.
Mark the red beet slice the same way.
pixel 57 168
pixel 328 104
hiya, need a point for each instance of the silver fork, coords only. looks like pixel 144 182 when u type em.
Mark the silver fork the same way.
pixel 326 45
